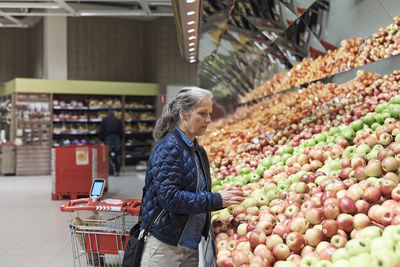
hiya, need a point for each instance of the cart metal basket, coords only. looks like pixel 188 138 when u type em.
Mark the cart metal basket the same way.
pixel 99 231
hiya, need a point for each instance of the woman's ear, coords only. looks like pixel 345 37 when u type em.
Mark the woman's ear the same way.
pixel 182 115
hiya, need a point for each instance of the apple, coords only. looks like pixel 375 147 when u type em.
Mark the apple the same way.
pixel 373 169
pixel 273 240
pixel 338 241
pixel 313 236
pixel 240 257
pixel 392 177
pixel 361 221
pixel 385 139
pixel 257 261
pixel 281 252
pixel 308 261
pixel 291 210
pixel 392 232
pixel 347 205
pixel 314 215
pixel 396 193
pixel 386 259
pixel 282 230
pixel 242 229
pixel 345 222
pixel 390 164
pixel 299 225
pixel 326 254
pixel 382 244
pixel 355 192
pixel 357 246
pixel 329 227
pixel 339 254
pixel 370 232
pixel 265 225
pixel 295 241
pixel 294 258
pixel 257 237
pixel 331 211
pixel 371 194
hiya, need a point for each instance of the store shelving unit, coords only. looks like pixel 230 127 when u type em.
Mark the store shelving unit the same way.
pixel 75 110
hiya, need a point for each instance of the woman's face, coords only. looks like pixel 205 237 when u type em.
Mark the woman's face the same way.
pixel 195 123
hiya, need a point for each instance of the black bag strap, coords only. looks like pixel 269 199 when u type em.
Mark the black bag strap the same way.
pixel 153 217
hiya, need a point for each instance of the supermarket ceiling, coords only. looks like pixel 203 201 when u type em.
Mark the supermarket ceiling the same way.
pixel 20 14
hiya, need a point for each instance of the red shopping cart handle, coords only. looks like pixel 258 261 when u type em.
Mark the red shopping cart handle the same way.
pixel 131 206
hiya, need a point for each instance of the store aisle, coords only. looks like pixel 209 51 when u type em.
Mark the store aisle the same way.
pixel 33 231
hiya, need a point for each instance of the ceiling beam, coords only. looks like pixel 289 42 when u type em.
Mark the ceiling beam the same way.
pixel 29 5
pixel 12 19
pixel 66 7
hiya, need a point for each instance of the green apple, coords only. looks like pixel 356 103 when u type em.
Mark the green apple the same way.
pixel 377 147
pixel 370 232
pixel 320 137
pixel 395 111
pixel 357 125
pixel 288 149
pixel 260 170
pixel 339 137
pixel 339 254
pixel 392 232
pixel 373 154
pixel 375 126
pixel 272 194
pixel 386 115
pixel 257 192
pixel 245 179
pixel 268 187
pixel 248 202
pixel 350 151
pixel 397 138
pixel 223 214
pixel 357 246
pixel 320 179
pixel 364 259
pixel 266 162
pixel 310 142
pixel 323 263
pixel 384 259
pixel 341 263
pixel 283 187
pixel 294 178
pixel 245 170
pixel 215 181
pixel 363 148
pixel 334 165
pixel 308 261
pixel 330 139
pixel 284 158
pixel 285 264
pixel 262 200
pixel 349 133
pixel 217 188
pixel 369 119
pixel 254 177
pixel 381 107
pixel 395 99
pixel 334 130
pixel 382 243
pixel 231 207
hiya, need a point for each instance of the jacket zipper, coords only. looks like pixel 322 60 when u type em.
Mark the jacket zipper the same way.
pixel 197 186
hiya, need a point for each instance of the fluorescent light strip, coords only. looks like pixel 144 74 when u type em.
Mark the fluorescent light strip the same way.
pixel 192 44
pixel 190 22
pixel 192 37
pixel 191 49
pixel 191 30
pixel 190 13
pixel 190 1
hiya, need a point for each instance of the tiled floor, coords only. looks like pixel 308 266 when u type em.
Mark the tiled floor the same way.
pixel 33 230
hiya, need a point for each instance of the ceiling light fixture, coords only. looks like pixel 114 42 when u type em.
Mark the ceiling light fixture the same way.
pixel 191 49
pixel 191 30
pixel 192 44
pixel 190 22
pixel 192 37
pixel 190 13
pixel 190 1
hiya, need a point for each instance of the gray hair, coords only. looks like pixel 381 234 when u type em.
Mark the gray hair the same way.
pixel 185 100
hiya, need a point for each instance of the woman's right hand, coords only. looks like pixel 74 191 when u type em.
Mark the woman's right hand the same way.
pixel 231 197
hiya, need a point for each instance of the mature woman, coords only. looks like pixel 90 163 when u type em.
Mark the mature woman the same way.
pixel 178 183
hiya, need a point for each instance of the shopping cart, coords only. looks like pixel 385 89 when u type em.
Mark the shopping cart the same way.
pixel 99 230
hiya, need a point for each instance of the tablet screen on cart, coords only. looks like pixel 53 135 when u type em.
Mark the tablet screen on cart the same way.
pixel 97 188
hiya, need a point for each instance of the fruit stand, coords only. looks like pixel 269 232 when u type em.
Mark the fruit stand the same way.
pixel 318 163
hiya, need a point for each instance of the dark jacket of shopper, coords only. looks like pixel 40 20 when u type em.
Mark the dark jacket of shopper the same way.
pixel 172 182
pixel 110 126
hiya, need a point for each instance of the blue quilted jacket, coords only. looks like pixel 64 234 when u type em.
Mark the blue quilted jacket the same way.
pixel 171 181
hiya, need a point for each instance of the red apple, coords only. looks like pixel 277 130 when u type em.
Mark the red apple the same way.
pixel 313 236
pixel 314 215
pixel 330 228
pixel 347 205
pixel 295 241
pixel 240 257
pixel 331 211
pixel 257 237
pixel 386 187
pixel 281 252
pixel 396 193
pixel 273 240
pixel 362 206
pixel 345 222
pixel 371 194
pixel 361 221
pixel 299 225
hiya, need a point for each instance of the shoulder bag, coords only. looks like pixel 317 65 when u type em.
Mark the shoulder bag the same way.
pixel 134 249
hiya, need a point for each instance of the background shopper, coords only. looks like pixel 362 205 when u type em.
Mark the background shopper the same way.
pixel 178 179
pixel 111 134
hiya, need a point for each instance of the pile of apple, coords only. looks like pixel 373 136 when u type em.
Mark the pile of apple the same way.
pixel 229 152
pixel 353 52
pixel 312 199
pixel 383 44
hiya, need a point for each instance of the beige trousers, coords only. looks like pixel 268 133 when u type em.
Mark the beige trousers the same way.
pixel 160 254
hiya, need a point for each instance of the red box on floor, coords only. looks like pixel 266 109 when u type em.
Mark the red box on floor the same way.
pixel 75 166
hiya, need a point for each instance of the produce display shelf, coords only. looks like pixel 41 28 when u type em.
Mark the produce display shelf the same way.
pixel 140 120
pixel 69 108
pixel 140 109
pixel 70 133
pixel 103 108
pixel 138 133
pixel 96 120
pixel 70 120
pixel 138 144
